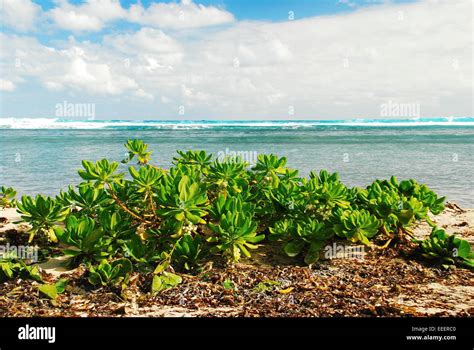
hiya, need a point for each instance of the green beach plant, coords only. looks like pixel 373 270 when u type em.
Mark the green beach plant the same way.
pixel 139 149
pixel 357 225
pixel 224 204
pixel 12 267
pixel 430 199
pixel 101 173
pixel 195 158
pixel 183 201
pixel 84 239
pixel 142 252
pixel 164 280
pixel 110 274
pixel 157 222
pixel 228 177
pixel 118 228
pixel 286 200
pixel 43 214
pixel 88 199
pixel 447 249
pixel 236 234
pixel 305 236
pixel 145 179
pixel 189 251
pixel 7 197
pixel 52 291
pixel 268 169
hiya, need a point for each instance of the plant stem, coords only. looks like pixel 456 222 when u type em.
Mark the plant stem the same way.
pixel 152 204
pixel 121 205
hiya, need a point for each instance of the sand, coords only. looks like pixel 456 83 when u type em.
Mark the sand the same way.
pixel 398 286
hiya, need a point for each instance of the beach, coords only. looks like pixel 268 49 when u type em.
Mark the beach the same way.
pixel 265 168
pixel 391 283
pixel 43 158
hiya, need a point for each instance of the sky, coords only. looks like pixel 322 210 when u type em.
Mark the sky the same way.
pixel 236 59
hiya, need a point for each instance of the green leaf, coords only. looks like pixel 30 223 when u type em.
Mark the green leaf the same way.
pixel 228 284
pixel 61 285
pixel 160 268
pixel 157 284
pixel 292 249
pixel 463 248
pixel 173 279
pixel 313 253
pixel 94 278
pixel 164 281
pixel 49 290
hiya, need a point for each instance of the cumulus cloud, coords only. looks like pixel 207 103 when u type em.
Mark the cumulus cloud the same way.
pixel 6 85
pixel 19 14
pixel 332 66
pixel 77 67
pixel 90 16
pixel 94 15
pixel 147 39
pixel 185 14
pixel 96 78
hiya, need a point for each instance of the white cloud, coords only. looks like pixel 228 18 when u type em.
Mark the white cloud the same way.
pixel 76 67
pixel 6 85
pixel 53 85
pixel 185 14
pixel 146 39
pixel 94 15
pixel 143 94
pixel 19 14
pixel 348 3
pixel 96 78
pixel 90 16
pixel 333 66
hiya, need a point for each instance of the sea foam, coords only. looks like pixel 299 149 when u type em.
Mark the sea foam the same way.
pixel 57 123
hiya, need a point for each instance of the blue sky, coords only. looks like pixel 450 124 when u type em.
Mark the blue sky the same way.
pixel 275 10
pixel 235 59
pixel 243 10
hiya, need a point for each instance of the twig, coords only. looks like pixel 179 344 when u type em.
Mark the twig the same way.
pixel 121 205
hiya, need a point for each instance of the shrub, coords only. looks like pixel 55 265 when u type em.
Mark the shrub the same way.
pixel 161 220
pixel 43 214
pixel 12 267
pixel 110 274
pixel 447 249
pixel 7 197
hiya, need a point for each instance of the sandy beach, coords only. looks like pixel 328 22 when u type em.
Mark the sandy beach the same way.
pixel 388 283
pixel 271 169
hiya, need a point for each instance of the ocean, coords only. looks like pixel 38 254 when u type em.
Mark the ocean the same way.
pixel 43 155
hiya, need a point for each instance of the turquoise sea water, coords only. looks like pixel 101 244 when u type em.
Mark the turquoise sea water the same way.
pixel 43 155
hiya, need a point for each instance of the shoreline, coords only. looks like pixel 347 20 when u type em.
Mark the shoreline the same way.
pixel 59 123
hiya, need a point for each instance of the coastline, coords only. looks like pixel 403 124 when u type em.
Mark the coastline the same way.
pixel 92 123
pixel 387 283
